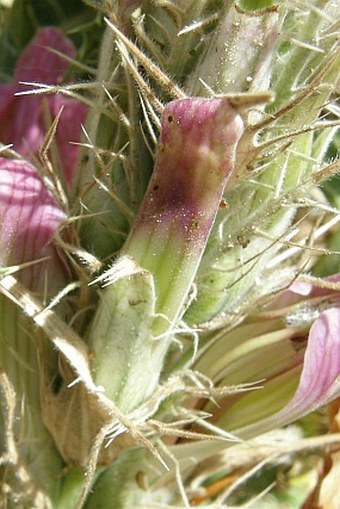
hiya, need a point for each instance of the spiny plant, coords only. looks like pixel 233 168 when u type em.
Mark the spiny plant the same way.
pixel 161 318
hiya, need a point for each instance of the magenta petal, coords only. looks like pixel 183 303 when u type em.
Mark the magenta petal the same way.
pixel 305 289
pixel 23 125
pixel 299 290
pixel 302 288
pixel 23 118
pixel 320 378
pixel 6 96
pixel 68 131
pixel 38 63
pixel 29 215
pixel 19 124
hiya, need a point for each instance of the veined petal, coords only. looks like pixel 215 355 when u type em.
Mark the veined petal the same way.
pixel 29 215
pixel 320 377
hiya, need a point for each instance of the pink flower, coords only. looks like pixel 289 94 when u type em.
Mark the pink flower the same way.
pixel 319 381
pixel 320 377
pixel 292 346
pixel 23 118
pixel 29 218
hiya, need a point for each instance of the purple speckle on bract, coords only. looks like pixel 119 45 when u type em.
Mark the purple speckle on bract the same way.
pixel 196 156
pixel 198 144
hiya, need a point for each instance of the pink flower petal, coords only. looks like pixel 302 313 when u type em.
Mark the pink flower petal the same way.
pixel 22 118
pixel 6 96
pixel 320 377
pixel 29 215
pixel 38 63
pixel 73 116
pixel 305 288
pixel 300 291
pixel 302 288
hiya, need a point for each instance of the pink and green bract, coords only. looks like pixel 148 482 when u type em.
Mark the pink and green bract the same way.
pixel 196 155
pixel 195 158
